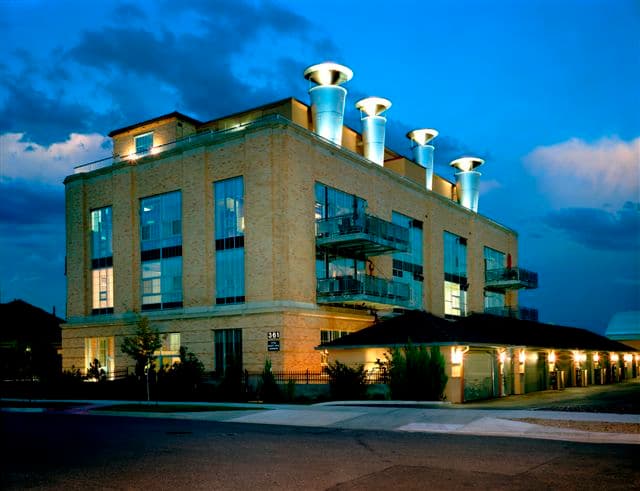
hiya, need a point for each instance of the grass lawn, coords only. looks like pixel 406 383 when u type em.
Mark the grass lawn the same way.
pixel 41 404
pixel 173 408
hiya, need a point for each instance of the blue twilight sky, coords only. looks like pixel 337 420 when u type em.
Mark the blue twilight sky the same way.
pixel 547 92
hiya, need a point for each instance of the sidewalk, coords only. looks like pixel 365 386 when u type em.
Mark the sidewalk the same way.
pixel 409 416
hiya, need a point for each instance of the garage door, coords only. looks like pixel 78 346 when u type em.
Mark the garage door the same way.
pixel 478 375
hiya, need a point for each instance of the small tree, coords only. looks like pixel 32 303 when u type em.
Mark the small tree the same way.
pixel 415 373
pixel 347 382
pixel 141 347
pixel 96 372
pixel 268 387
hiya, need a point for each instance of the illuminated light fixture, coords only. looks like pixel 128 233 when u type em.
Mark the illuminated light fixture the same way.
pixel 614 357
pixel 132 156
pixel 637 358
pixel 522 357
pixel 373 127
pixel 154 150
pixel 503 356
pixel 328 73
pixel 627 357
pixel 328 98
pixel 552 357
pixel 456 355
pixel 466 164
pixel 596 357
pixel 423 152
pixel 468 181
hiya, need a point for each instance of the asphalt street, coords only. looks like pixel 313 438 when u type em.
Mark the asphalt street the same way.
pixel 73 451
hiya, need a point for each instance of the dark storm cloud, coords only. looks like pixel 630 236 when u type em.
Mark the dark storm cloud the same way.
pixel 26 204
pixel 44 118
pixel 143 67
pixel 600 229
pixel 197 68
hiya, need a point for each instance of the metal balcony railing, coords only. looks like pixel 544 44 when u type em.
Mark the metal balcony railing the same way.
pixel 370 291
pixel 187 141
pixel 361 235
pixel 522 313
pixel 510 279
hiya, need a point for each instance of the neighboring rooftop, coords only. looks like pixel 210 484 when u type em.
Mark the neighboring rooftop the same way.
pixel 624 326
pixel 421 327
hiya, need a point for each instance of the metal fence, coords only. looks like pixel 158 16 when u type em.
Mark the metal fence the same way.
pixel 322 377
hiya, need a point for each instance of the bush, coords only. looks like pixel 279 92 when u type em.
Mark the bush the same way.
pixel 268 389
pixel 347 382
pixel 232 387
pixel 415 373
pixel 181 379
pixel 96 372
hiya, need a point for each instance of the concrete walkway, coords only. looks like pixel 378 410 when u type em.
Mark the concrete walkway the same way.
pixel 384 415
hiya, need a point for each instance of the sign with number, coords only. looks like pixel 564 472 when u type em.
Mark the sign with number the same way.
pixel 273 345
pixel 273 335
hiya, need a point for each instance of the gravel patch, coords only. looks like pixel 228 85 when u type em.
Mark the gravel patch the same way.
pixel 596 426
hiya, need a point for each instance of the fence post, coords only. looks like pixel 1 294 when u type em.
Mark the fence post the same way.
pixel 307 374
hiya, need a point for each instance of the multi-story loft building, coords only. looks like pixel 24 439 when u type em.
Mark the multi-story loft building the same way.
pixel 262 234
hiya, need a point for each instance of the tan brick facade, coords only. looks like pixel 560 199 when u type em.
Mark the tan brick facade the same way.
pixel 280 163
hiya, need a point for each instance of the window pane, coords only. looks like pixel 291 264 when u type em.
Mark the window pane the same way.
pixel 144 142
pixel 227 349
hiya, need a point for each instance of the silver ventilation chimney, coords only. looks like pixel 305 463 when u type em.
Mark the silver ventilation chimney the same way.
pixel 327 98
pixel 468 181
pixel 422 152
pixel 373 127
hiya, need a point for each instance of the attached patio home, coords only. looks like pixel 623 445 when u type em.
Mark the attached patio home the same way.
pixel 492 356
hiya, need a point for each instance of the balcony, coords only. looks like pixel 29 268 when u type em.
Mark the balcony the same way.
pixel 510 279
pixel 361 235
pixel 522 313
pixel 367 291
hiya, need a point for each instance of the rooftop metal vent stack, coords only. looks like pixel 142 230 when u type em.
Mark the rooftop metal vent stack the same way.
pixel 422 152
pixel 468 181
pixel 373 127
pixel 328 98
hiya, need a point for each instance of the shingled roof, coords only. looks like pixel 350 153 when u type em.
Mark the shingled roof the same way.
pixel 421 327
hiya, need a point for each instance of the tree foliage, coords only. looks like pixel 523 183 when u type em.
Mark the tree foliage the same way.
pixel 142 345
pixel 268 389
pixel 417 373
pixel 347 382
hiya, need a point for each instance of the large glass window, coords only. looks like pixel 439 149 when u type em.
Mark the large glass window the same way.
pixel 332 202
pixel 493 259
pixel 494 302
pixel 101 349
pixel 102 261
pixel 161 251
pixel 169 352
pixel 455 275
pixel 229 241
pixel 408 266
pixel 227 349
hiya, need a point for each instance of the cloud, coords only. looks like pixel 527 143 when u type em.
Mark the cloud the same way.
pixel 489 185
pixel 20 159
pixel 599 229
pixel 577 173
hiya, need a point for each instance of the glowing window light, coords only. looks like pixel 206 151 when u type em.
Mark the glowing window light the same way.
pixel 614 357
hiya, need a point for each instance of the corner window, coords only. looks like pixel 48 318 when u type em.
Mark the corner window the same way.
pixel 101 261
pixel 144 142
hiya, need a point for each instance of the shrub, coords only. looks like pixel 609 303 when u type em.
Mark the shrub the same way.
pixel 347 382
pixel 268 389
pixel 415 373
pixel 232 386
pixel 96 372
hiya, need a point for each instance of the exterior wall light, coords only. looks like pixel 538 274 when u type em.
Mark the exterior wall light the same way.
pixel 457 357
pixel 614 357
pixel 521 358
pixel 596 357
pixel 628 358
pixel 503 356
pixel 552 357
